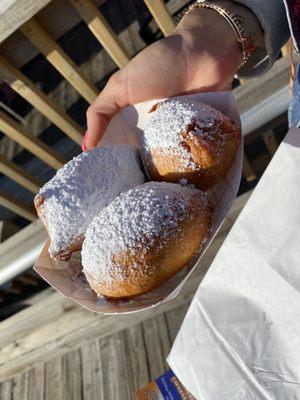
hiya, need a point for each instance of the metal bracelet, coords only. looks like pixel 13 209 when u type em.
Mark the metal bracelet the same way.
pixel 245 41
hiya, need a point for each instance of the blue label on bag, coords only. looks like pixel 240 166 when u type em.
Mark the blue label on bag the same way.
pixel 166 387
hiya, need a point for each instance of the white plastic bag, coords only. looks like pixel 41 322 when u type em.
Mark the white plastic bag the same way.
pixel 240 339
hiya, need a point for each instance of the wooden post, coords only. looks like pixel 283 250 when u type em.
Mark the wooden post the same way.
pixel 58 58
pixel 17 207
pixel 18 133
pixel 101 30
pixel 270 142
pixel 25 88
pixel 248 171
pixel 161 15
pixel 19 175
pixel 285 50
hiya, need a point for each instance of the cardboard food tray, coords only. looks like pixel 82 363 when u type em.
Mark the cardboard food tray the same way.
pixel 126 127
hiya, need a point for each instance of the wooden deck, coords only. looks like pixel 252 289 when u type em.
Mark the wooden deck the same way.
pixel 57 350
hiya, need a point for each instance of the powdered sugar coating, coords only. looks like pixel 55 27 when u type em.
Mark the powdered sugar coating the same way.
pixel 172 117
pixel 83 187
pixel 135 221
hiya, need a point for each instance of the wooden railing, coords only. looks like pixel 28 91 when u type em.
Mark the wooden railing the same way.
pixel 30 27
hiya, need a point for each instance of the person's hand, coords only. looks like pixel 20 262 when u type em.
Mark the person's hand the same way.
pixel 201 55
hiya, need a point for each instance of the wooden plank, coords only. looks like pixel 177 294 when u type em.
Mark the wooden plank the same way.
pixel 7 229
pixel 17 206
pixel 285 50
pixel 58 58
pixel 28 279
pixel 270 142
pixel 115 371
pixel 157 344
pixel 101 30
pixel 256 90
pixel 36 383
pixel 248 171
pixel 19 134
pixel 22 242
pixel 161 15
pixel 20 387
pixel 136 357
pixel 58 17
pixel 174 320
pixel 6 390
pixel 53 379
pixel 12 113
pixel 25 88
pixel 13 14
pixel 19 175
pixel 57 325
pixel 71 375
pixel 92 371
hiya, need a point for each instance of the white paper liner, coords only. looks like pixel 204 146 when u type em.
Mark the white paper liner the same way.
pixel 240 339
pixel 126 127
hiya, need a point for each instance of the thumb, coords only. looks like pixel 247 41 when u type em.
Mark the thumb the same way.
pixel 113 97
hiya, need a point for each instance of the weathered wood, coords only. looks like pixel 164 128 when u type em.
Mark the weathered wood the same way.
pixel 12 15
pixel 28 279
pixel 136 357
pixel 92 371
pixel 57 325
pixel 22 242
pixel 12 113
pixel 101 30
pixel 36 383
pixel 248 171
pixel 20 387
pixel 19 134
pixel 285 50
pixel 58 58
pixel 256 90
pixel 56 336
pixel 25 88
pixel 114 359
pixel 17 206
pixel 16 287
pixel 157 344
pixel 174 320
pixel 161 15
pixel 57 18
pixel 53 379
pixel 7 229
pixel 6 390
pixel 270 142
pixel 71 375
pixel 19 175
pixel 40 296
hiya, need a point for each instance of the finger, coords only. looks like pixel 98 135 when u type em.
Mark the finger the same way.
pixel 112 98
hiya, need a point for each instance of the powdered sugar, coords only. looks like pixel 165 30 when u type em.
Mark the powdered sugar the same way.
pixel 83 187
pixel 145 216
pixel 172 118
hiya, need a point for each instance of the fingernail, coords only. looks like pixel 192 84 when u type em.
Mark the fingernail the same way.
pixel 84 141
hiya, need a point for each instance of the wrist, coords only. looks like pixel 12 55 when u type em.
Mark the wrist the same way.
pixel 250 25
pixel 205 30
